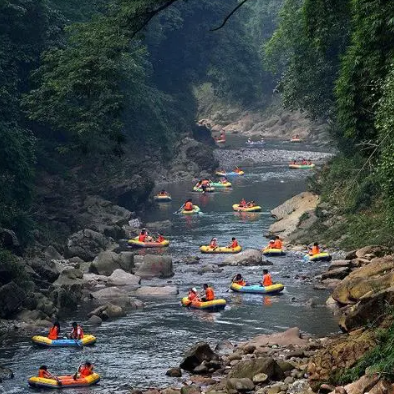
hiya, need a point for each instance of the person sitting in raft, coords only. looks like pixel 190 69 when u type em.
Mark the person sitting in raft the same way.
pixel 213 244
pixel 242 203
pixel 234 243
pixel 163 193
pixel 304 162
pixel 204 184
pixel 84 370
pixel 271 244
pixel 223 180
pixel 160 238
pixel 237 169
pixel 76 332
pixel 251 204
pixel 207 294
pixel 314 250
pixel 239 280
pixel 278 243
pixel 44 373
pixel 188 206
pixel 142 236
pixel 267 279
pixel 293 162
pixel 193 294
pixel 54 331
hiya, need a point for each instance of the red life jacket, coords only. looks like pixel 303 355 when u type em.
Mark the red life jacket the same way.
pixel 160 238
pixel 209 294
pixel 142 237
pixel 234 244
pixel 85 371
pixel 267 280
pixel 53 333
pixel 77 333
pixel 188 206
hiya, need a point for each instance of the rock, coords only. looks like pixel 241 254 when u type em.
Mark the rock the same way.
pixel 66 292
pixel 86 244
pixel 249 349
pixel 108 293
pixel 152 291
pixel 290 337
pixel 95 320
pixel 362 385
pixel 193 389
pixel 260 378
pixel 248 257
pixel 240 384
pixel 107 262
pixel 336 273
pixel 136 304
pixel 200 352
pixel 272 390
pixel 155 266
pixel 171 390
pixel 160 227
pixel 191 260
pixel 201 369
pixel 113 311
pixel 46 269
pixel 373 250
pixel 51 253
pixel 285 366
pixel 11 299
pixel 31 316
pixel 71 274
pixel 5 373
pixel 209 268
pixel 289 213
pixel 331 283
pixel 339 263
pixel 174 372
pixel 382 387
pixel 224 346
pixel 250 368
pixel 122 278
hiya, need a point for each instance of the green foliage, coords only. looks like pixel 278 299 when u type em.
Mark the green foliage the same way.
pixel 11 269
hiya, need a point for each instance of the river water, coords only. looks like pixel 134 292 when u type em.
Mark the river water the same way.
pixel 136 351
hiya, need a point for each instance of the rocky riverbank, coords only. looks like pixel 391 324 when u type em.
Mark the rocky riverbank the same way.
pixel 291 362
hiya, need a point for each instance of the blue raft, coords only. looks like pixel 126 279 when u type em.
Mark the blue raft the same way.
pixel 257 289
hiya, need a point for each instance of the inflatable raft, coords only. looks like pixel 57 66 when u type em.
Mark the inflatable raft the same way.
pixel 257 289
pixel 221 141
pixel 219 249
pixel 66 381
pixel 273 252
pixel 139 244
pixel 296 140
pixel 221 184
pixel 301 166
pixel 196 210
pixel 64 342
pixel 209 189
pixel 220 173
pixel 208 305
pixel 237 208
pixel 162 198
pixel 324 256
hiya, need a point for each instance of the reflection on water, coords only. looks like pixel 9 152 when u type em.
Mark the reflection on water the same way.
pixel 138 349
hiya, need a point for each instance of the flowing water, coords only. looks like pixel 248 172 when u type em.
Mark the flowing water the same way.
pixel 136 351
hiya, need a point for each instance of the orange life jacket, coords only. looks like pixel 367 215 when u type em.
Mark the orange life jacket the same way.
pixel 85 371
pixel 205 182
pixel 209 294
pixel 267 280
pixel 192 295
pixel 188 206
pixel 278 244
pixel 240 282
pixel 234 244
pixel 315 250
pixel 53 333
pixel 77 333
pixel 43 374
pixel 160 238
pixel 142 237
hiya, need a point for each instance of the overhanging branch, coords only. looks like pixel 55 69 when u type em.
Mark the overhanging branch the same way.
pixel 225 20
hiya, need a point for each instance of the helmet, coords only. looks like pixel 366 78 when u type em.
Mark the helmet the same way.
pixel 194 289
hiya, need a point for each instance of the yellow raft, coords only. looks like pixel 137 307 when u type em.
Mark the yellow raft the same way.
pixel 323 256
pixel 154 244
pixel 162 198
pixel 237 208
pixel 208 189
pixel 196 210
pixel 219 249
pixel 220 303
pixel 66 381
pixel 223 173
pixel 64 342
pixel 296 140
pixel 273 252
pixel 301 166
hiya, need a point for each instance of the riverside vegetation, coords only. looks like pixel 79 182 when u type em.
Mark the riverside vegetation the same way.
pixel 92 104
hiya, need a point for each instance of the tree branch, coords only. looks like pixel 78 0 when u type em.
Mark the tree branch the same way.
pixel 230 15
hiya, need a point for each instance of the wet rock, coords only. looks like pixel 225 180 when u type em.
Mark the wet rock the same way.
pixel 200 352
pixel 191 260
pixel 201 369
pixel 373 251
pixel 136 304
pixel 336 273
pixel 107 311
pixel 109 293
pixel 209 268
pixel 249 349
pixel 260 378
pixel 122 278
pixel 290 337
pixel 46 269
pixel 31 316
pixel 240 384
pixel 224 346
pixel 331 283
pixel 86 244
pixel 248 257
pixel 5 373
pixel 339 263
pixel 154 266
pixel 174 372
pixel 152 291
pixel 95 320
pixel 12 298
pixel 250 368
pixel 107 262
pixel 193 389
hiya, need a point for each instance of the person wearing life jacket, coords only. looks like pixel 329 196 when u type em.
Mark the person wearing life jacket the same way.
pixel 234 243
pixel 193 294
pixel 209 293
pixel 76 332
pixel 293 162
pixel 304 162
pixel 223 180
pixel 213 244
pixel 45 374
pixel 142 236
pixel 239 280
pixel 271 244
pixel 278 243
pixel 204 184
pixel 54 331
pixel 160 238
pixel 242 203
pixel 237 170
pixel 251 204
pixel 188 206
pixel 84 370
pixel 315 249
pixel 267 279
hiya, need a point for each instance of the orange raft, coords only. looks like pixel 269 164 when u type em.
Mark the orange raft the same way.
pixel 65 381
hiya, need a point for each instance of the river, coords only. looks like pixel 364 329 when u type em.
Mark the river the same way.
pixel 136 351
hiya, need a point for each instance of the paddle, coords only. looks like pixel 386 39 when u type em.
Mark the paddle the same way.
pixel 180 209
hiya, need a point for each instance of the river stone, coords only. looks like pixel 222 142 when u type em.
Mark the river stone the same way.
pixel 109 292
pixel 200 352
pixel 113 311
pixel 250 368
pixel 122 278
pixel 46 269
pixel 248 257
pixel 339 263
pixel 106 263
pixel 174 372
pixel 193 389
pixel 209 268
pixel 152 291
pixel 95 320
pixel 336 273
pixel 373 251
pixel 155 266
pixel 11 299
pixel 260 378
pixel 240 384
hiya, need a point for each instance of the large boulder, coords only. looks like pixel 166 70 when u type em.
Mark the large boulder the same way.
pixel 250 368
pixel 46 269
pixel 159 291
pixel 155 266
pixel 108 311
pixel 86 244
pixel 66 291
pixel 109 293
pixel 122 278
pixel 248 257
pixel 11 299
pixel 198 353
pixel 8 239
pixel 371 251
pixel 107 262
pixel 240 384
pixel 290 337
